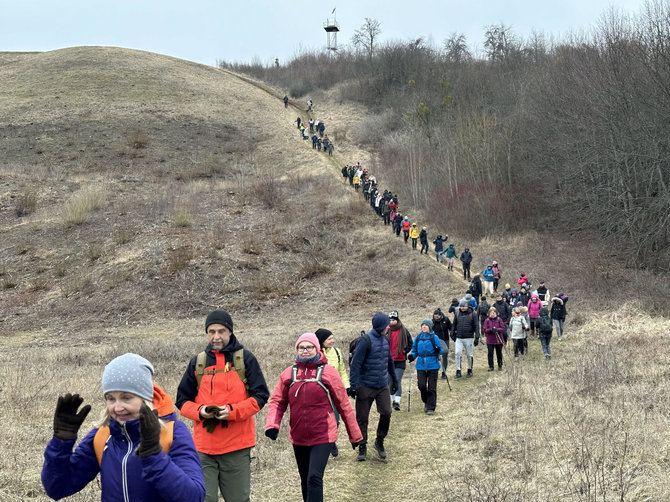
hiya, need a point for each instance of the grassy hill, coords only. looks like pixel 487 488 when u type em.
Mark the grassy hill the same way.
pixel 138 192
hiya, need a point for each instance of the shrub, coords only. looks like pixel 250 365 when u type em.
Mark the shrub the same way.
pixel 25 203
pixel 267 190
pixel 183 217
pixel 139 139
pixel 80 206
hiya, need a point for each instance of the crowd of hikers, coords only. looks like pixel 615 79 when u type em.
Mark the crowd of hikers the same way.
pixel 144 453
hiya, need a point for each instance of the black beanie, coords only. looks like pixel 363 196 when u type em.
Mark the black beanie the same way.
pixel 219 317
pixel 322 334
pixel 438 312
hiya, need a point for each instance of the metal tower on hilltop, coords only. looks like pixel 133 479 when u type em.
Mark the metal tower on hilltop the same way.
pixel 331 28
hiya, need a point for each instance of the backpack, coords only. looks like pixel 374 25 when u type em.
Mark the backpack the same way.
pixel 238 366
pixel 102 435
pixel 354 343
pixel 318 379
pixel 545 325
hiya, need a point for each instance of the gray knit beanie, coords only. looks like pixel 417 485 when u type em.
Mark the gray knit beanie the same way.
pixel 129 373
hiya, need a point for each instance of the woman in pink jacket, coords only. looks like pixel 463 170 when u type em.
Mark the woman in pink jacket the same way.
pixel 534 306
pixel 313 389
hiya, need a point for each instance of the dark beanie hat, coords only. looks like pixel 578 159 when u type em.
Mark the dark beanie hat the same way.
pixel 219 317
pixel 322 334
pixel 438 312
pixel 380 321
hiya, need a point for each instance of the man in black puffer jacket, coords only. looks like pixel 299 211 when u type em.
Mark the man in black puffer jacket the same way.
pixel 465 333
pixel 442 328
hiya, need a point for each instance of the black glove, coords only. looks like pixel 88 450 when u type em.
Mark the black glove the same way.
pixel 210 424
pixel 356 444
pixel 476 341
pixel 437 350
pixel 453 338
pixel 272 433
pixel 66 419
pixel 150 432
pixel 394 388
pixel 351 392
pixel 410 357
pixel 212 409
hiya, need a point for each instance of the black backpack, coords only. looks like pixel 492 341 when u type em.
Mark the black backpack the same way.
pixel 354 343
pixel 545 325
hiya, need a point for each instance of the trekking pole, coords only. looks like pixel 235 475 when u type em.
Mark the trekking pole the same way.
pixel 409 387
pixel 448 384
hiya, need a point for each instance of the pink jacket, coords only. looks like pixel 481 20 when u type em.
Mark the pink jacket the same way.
pixel 312 420
pixel 534 307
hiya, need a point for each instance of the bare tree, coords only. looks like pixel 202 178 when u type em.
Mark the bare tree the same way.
pixel 500 43
pixel 456 49
pixel 366 36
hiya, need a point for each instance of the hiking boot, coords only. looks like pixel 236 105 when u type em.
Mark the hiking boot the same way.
pixel 396 406
pixel 362 453
pixel 469 375
pixel 444 376
pixel 491 368
pixel 500 367
pixel 379 446
pixel 547 357
pixel 458 373
pixel 430 412
pixel 335 452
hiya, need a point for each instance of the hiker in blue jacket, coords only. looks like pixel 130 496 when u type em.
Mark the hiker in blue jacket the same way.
pixel 139 456
pixel 370 370
pixel 427 349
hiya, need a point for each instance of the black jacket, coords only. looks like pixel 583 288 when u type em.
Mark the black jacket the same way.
pixel 465 325
pixel 504 311
pixel 442 328
pixel 466 257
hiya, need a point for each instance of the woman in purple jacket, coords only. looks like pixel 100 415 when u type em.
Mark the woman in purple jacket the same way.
pixel 496 337
pixel 140 457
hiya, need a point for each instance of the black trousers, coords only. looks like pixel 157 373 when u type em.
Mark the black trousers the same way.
pixel 427 382
pixel 365 396
pixel 497 348
pixel 312 462
pixel 466 271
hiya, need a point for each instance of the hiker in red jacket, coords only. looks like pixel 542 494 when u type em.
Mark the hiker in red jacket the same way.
pixel 313 390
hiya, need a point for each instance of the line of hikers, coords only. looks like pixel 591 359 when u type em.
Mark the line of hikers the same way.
pixel 144 453
pixel 316 128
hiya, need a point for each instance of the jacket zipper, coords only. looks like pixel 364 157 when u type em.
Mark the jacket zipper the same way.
pixel 124 464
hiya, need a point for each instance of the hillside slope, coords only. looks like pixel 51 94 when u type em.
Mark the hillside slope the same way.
pixel 138 192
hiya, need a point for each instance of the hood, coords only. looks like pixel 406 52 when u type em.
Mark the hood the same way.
pixel 557 299
pixel 162 401
pixel 544 311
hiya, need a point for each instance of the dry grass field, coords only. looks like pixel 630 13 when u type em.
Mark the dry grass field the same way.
pixel 138 192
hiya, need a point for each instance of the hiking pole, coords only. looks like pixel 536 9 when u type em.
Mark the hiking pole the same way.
pixel 448 384
pixel 409 386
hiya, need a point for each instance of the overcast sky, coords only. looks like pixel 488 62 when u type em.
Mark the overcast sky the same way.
pixel 206 31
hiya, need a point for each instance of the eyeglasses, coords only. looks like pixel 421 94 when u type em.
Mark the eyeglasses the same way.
pixel 305 348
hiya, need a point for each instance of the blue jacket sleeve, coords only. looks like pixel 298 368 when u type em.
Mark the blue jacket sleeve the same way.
pixel 177 476
pixel 66 472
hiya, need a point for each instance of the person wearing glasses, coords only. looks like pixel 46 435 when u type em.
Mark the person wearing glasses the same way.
pixel 314 391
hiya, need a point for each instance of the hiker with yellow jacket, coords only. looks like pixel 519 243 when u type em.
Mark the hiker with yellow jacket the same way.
pixel 142 452
pixel 213 393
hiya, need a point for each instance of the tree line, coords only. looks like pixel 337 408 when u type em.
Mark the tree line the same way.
pixel 568 135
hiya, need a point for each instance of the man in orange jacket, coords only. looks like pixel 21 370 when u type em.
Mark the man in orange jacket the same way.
pixel 213 394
